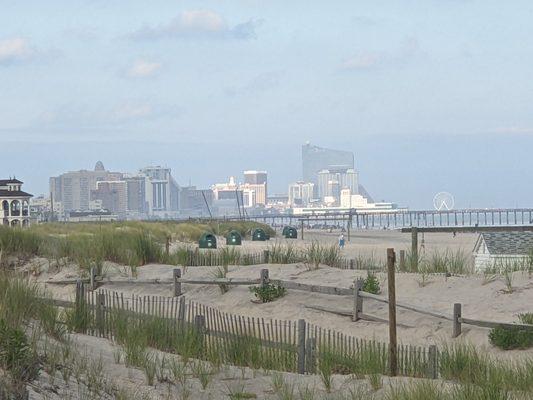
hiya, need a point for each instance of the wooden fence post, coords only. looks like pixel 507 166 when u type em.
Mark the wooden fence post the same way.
pixel 414 249
pixel 266 256
pixel 432 362
pixel 199 326
pixel 199 323
pixel 402 260
pixel 100 305
pixel 167 246
pixel 352 263
pixel 264 277
pixel 456 323
pixel 358 300
pixel 301 346
pixel 393 342
pixel 310 355
pixel 177 284
pixel 80 292
pixel 92 278
pixel 348 226
pixel 181 313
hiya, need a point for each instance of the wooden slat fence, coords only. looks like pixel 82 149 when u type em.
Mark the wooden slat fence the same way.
pixel 354 355
pixel 294 346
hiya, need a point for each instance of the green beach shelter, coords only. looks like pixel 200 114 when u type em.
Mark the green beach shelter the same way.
pixel 259 235
pixel 207 241
pixel 234 238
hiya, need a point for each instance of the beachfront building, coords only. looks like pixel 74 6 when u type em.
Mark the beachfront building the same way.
pixel 332 181
pixel 300 194
pixel 15 203
pixel 315 159
pixel 255 183
pixel 73 189
pixel 502 250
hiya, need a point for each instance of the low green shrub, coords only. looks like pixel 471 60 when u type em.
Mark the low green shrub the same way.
pixel 509 338
pixel 268 292
pixel 371 284
pixel 16 355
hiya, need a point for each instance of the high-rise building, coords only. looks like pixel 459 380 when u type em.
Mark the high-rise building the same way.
pixel 331 182
pixel 315 159
pixel 161 190
pixel 301 193
pixel 256 183
pixel 255 177
pixel 136 189
pixel 195 201
pixel 113 196
pixel 73 189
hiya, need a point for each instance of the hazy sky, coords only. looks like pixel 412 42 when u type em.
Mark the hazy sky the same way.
pixel 430 95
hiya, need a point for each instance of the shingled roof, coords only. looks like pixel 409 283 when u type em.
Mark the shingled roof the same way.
pixel 508 243
pixel 14 193
pixel 4 182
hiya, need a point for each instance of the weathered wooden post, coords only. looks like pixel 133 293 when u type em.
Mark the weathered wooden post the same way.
pixel 352 263
pixel 92 278
pixel 199 326
pixel 393 341
pixel 181 313
pixel 266 256
pixel 302 229
pixel 80 293
pixel 456 323
pixel 414 249
pixel 100 306
pixel 199 323
pixel 348 226
pixel 357 300
pixel 264 277
pixel 301 346
pixel 402 260
pixel 310 355
pixel 167 246
pixel 177 283
pixel 432 362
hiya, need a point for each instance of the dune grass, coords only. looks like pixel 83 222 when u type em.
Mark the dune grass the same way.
pixel 467 365
pixel 126 243
pixel 439 261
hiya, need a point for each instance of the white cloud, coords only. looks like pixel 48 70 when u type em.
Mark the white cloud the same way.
pixel 143 69
pixel 366 60
pixel 15 49
pixel 199 23
pixel 199 20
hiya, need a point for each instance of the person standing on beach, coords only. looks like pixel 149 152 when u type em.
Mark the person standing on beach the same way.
pixel 341 241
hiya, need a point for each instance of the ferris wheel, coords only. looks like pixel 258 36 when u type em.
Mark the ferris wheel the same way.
pixel 443 201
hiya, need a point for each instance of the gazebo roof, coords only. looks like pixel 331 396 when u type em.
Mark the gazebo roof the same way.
pixel 14 193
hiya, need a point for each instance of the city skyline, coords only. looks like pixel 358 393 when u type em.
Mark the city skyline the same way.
pixel 459 168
